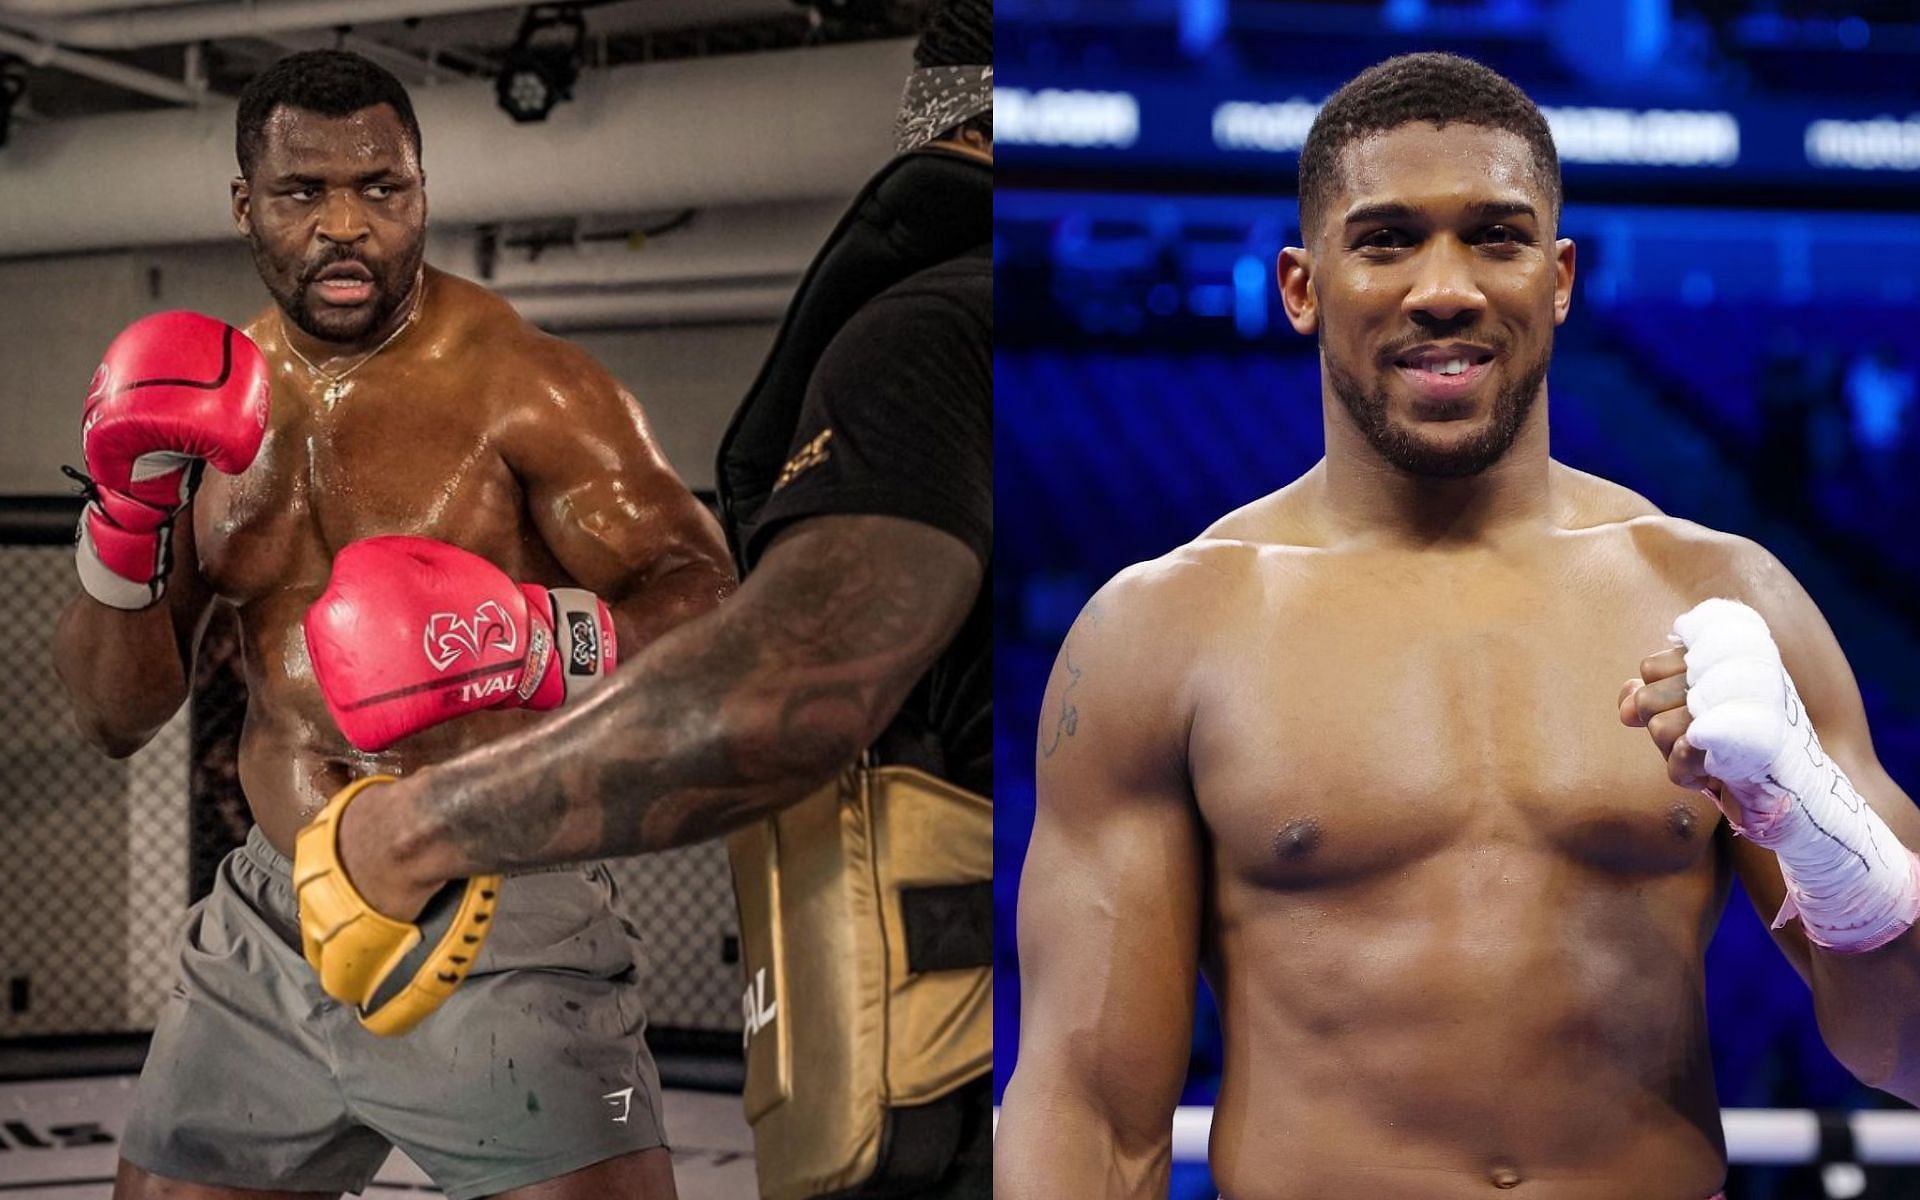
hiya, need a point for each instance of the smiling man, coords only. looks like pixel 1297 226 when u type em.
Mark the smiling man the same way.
pixel 1361 754
pixel 399 445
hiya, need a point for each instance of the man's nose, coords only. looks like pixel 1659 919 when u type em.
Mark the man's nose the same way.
pixel 1444 289
pixel 342 218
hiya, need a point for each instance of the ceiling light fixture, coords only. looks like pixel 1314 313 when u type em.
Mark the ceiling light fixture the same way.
pixel 543 63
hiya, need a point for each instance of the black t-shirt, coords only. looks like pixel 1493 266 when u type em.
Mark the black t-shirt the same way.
pixel 898 421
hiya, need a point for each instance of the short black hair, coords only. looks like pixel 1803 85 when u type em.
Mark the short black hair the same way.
pixel 332 83
pixel 959 33
pixel 1432 88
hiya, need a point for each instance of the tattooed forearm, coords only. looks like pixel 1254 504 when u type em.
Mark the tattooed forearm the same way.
pixel 728 717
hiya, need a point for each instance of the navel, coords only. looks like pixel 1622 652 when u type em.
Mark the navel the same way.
pixel 1503 1175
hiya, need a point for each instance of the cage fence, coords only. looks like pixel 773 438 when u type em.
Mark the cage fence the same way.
pixel 101 858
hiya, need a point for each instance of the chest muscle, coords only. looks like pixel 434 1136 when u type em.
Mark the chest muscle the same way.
pixel 1367 734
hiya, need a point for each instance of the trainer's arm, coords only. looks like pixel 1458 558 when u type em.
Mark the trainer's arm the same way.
pixel 718 722
pixel 610 508
pixel 126 672
pixel 1868 1005
pixel 1109 922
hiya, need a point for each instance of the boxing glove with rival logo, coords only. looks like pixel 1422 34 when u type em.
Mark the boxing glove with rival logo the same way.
pixel 411 632
pixel 174 392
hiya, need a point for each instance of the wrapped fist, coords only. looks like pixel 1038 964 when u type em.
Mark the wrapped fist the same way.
pixel 1723 710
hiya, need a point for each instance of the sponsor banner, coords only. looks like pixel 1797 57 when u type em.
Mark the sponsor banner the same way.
pixel 1242 128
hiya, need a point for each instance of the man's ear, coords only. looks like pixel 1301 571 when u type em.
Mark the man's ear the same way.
pixel 1563 260
pixel 1295 269
pixel 242 206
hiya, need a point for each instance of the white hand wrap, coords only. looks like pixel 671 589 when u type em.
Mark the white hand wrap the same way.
pixel 1849 880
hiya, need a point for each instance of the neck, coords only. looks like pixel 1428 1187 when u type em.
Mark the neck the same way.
pixel 329 355
pixel 1369 498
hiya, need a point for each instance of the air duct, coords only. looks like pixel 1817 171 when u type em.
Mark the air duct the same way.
pixel 734 245
pixel 572 312
pixel 791 125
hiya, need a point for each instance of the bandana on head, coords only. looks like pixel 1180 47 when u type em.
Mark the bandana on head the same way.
pixel 937 99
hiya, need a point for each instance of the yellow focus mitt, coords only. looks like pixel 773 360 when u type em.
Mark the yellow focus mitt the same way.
pixel 394 972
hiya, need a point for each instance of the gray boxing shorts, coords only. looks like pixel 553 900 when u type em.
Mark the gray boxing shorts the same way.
pixel 535 1067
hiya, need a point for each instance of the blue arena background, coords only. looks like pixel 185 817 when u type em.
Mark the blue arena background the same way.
pixel 1743 180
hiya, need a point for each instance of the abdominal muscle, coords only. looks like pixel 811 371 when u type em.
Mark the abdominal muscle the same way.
pixel 1390 1040
pixel 292 756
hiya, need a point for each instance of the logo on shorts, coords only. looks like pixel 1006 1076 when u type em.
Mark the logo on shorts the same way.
pixel 449 636
pixel 584 632
pixel 623 1100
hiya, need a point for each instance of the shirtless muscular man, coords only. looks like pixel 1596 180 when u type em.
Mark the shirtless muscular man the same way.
pixel 399 440
pixel 1355 754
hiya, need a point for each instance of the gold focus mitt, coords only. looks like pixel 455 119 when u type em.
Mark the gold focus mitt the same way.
pixel 395 973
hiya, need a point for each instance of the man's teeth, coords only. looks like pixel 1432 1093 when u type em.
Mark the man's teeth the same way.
pixel 1452 366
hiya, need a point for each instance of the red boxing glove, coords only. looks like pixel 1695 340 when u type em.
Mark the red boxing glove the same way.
pixel 175 391
pixel 412 632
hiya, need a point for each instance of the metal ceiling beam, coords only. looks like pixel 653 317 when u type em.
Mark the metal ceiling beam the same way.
pixel 787 125
pixel 69 8
pixel 120 75
pixel 194 22
pixel 620 17
pixel 412 68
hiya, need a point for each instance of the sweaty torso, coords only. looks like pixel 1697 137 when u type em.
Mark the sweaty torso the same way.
pixel 1457 913
pixel 411 446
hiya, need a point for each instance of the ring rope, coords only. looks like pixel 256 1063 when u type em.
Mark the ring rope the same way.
pixel 1755 1136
